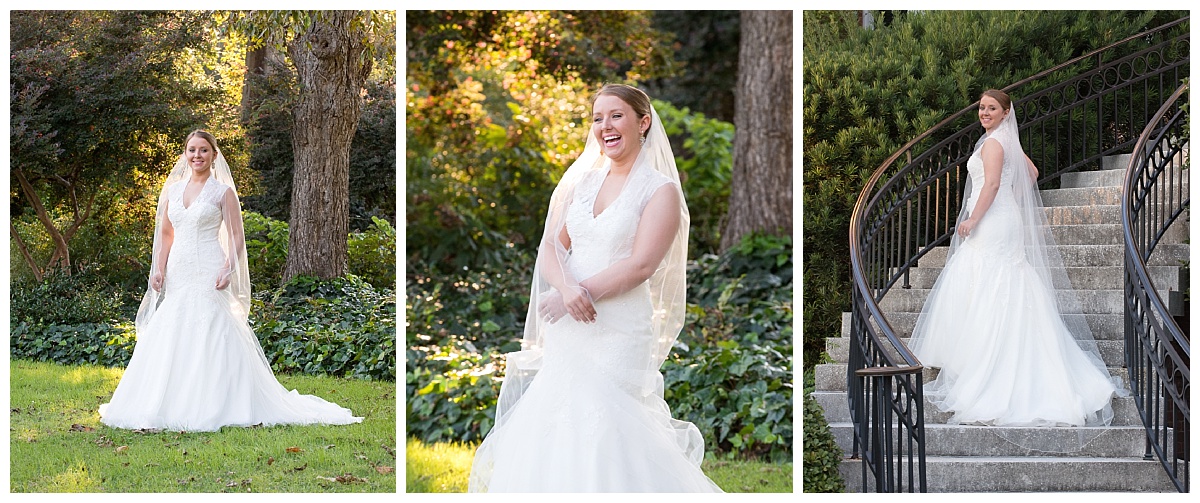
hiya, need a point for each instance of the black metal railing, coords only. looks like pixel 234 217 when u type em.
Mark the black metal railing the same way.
pixel 1157 350
pixel 1071 116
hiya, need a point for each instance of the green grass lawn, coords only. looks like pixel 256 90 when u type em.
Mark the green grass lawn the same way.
pixel 57 444
pixel 444 468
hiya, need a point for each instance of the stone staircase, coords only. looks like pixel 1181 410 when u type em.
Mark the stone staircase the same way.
pixel 1085 214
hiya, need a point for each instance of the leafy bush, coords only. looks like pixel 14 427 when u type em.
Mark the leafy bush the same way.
pixel 341 327
pixel 266 249
pixel 94 343
pixel 59 299
pixel 451 391
pixel 822 456
pixel 729 374
pixel 372 254
pixel 703 151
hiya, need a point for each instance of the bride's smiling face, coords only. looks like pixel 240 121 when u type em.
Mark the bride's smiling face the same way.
pixel 200 154
pixel 618 128
pixel 990 112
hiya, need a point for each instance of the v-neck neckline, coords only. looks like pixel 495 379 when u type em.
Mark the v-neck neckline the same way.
pixel 596 196
pixel 183 194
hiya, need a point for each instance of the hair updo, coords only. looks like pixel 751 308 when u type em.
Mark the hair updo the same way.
pixel 636 98
pixel 208 137
pixel 1000 96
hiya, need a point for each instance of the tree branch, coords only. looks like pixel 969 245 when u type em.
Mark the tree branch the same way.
pixel 37 271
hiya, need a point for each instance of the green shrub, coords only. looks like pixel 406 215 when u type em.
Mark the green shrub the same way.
pixel 451 391
pixel 372 254
pixel 93 343
pixel 703 151
pixel 730 371
pixel 266 249
pixel 341 327
pixel 822 456
pixel 59 299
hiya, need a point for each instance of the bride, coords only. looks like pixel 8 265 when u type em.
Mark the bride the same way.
pixel 197 366
pixel 1002 321
pixel 581 407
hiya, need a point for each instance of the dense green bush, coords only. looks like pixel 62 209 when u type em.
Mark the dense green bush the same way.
pixel 342 327
pixel 822 456
pixel 59 299
pixel 72 344
pixel 372 254
pixel 703 151
pixel 266 249
pixel 729 373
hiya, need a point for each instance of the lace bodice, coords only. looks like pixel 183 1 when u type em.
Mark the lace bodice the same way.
pixel 196 253
pixel 976 171
pixel 599 240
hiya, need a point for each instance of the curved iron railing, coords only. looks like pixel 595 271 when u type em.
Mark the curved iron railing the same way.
pixel 1072 115
pixel 1157 351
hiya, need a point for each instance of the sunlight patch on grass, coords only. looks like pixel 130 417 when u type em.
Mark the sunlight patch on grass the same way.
pixel 26 434
pixel 90 375
pixel 437 468
pixel 76 479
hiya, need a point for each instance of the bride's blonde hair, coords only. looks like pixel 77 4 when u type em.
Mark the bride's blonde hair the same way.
pixel 208 137
pixel 636 98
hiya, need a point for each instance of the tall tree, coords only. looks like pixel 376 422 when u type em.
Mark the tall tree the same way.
pixel 332 53
pixel 761 191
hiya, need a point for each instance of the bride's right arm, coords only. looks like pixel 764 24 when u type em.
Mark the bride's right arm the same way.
pixel 166 236
pixel 993 164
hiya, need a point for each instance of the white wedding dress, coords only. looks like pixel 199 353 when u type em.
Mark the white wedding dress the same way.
pixel 197 366
pixel 994 327
pixel 593 419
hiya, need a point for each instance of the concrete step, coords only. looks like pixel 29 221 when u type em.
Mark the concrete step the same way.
pixel 1111 351
pixel 1095 196
pixel 1165 278
pixel 1082 196
pixel 1086 301
pixel 963 440
pixel 1029 474
pixel 1119 162
pixel 1075 215
pixel 832 376
pixel 1086 255
pixel 1087 234
pixel 1101 178
pixel 1104 326
pixel 837 410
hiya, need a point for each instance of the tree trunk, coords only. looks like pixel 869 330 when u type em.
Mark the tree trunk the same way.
pixel 760 196
pixel 251 96
pixel 332 70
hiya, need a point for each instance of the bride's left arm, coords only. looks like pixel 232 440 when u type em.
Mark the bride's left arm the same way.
pixel 231 213
pixel 655 233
